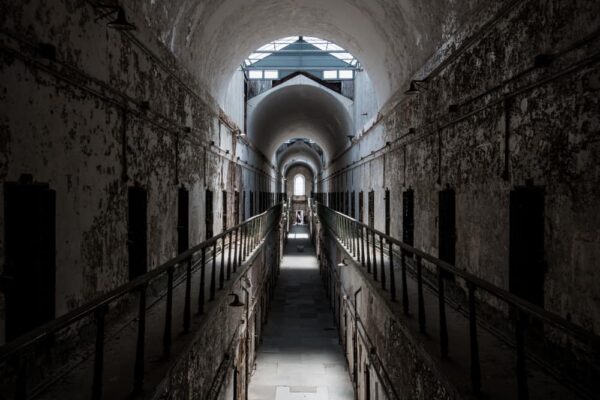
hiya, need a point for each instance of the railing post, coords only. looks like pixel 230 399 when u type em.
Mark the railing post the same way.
pixel 138 380
pixel 392 274
pixel 357 235
pixel 442 315
pixel 523 390
pixel 381 248
pixel 187 308
pixel 229 250
pixel 474 345
pixel 368 249
pixel 222 266
pixel 167 337
pixel 422 327
pixel 374 255
pixel 404 283
pixel 202 282
pixel 235 249
pixel 99 353
pixel 213 271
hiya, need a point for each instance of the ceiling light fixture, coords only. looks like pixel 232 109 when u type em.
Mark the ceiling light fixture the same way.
pixel 415 87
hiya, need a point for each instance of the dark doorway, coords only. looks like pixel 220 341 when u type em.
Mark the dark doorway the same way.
pixel 244 205
pixel 388 216
pixel 137 231
pixel 251 207
pixel 353 215
pixel 236 208
pixel 372 209
pixel 183 220
pixel 30 246
pixel 408 217
pixel 527 264
pixel 361 206
pixel 208 213
pixel 447 228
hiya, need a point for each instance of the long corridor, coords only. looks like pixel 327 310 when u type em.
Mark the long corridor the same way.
pixel 300 357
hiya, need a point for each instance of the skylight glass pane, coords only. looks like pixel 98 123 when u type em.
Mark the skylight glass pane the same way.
pixel 271 74
pixel 346 74
pixel 255 74
pixel 330 74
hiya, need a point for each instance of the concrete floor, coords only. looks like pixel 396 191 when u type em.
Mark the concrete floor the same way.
pixel 300 357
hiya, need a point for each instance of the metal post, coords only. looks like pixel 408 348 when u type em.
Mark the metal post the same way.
pixel 229 255
pixel 374 255
pixel 99 354
pixel 404 283
pixel 422 327
pixel 474 346
pixel 442 315
pixel 222 267
pixel 187 308
pixel 167 337
pixel 202 282
pixel 368 250
pixel 138 382
pixel 392 274
pixel 381 250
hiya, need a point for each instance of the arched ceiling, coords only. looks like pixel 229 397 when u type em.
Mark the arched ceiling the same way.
pixel 300 111
pixel 391 38
pixel 299 153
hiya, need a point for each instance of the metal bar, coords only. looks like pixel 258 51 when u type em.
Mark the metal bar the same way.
pixel 523 391
pixel 422 327
pixel 374 256
pixel 213 272
pixel 167 336
pixel 222 266
pixel 392 275
pixel 367 245
pixel 236 254
pixel 99 354
pixel 138 380
pixel 474 345
pixel 442 315
pixel 229 256
pixel 381 251
pixel 202 283
pixel 404 283
pixel 187 308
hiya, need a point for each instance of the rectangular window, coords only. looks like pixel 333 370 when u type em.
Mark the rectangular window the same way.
pixel 330 74
pixel 346 74
pixel 255 74
pixel 273 74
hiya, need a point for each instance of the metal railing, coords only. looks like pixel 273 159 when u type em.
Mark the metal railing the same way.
pixel 236 245
pixel 369 247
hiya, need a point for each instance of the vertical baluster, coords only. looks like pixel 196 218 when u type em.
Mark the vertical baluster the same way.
pixel 368 245
pixel 374 254
pixel 187 308
pixel 442 315
pixel 213 272
pixel 229 255
pixel 381 250
pixel 357 235
pixel 167 336
pixel 404 283
pixel 99 353
pixel 474 345
pixel 392 274
pixel 222 267
pixel 236 254
pixel 362 246
pixel 422 327
pixel 244 242
pixel 202 282
pixel 523 390
pixel 138 382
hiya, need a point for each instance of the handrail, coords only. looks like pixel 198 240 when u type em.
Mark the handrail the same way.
pixel 248 233
pixel 361 243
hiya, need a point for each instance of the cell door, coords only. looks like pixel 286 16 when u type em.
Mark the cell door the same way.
pixel 526 254
pixel 137 232
pixel 251 208
pixel 208 213
pixel 243 206
pixel 353 215
pixel 372 209
pixel 183 220
pixel 236 208
pixel 224 215
pixel 447 228
pixel 388 216
pixel 30 247
pixel 361 207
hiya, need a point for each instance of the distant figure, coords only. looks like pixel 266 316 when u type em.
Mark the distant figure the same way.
pixel 298 218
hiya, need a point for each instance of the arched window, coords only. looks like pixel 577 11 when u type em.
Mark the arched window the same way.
pixel 299 185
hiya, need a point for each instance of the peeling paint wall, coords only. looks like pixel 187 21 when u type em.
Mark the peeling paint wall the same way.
pixel 512 123
pixel 107 111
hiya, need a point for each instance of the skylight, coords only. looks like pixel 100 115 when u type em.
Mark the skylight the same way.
pixel 324 45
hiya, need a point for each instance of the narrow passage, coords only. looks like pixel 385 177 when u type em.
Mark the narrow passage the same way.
pixel 300 357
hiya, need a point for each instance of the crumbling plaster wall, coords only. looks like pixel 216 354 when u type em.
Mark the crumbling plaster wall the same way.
pixel 549 118
pixel 78 121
